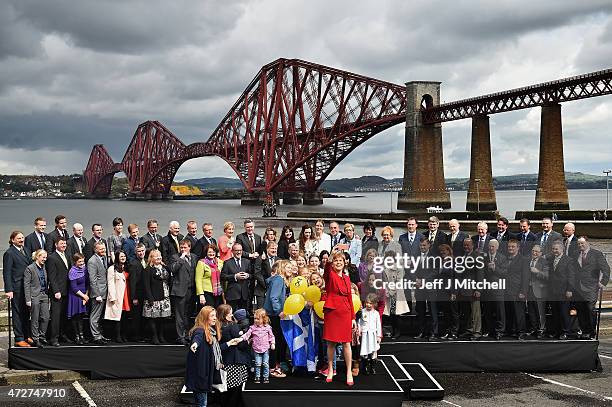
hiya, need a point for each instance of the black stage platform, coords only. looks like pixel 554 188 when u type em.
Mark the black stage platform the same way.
pixel 116 361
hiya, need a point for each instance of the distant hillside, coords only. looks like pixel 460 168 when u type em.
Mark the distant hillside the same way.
pixel 574 180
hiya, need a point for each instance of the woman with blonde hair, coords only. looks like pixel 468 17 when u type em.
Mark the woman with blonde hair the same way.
pixel 208 278
pixel 204 359
pixel 388 244
pixel 156 307
pixel 227 241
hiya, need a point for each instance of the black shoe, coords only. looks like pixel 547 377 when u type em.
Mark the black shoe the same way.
pixel 434 338
pixel 38 344
pixel 43 342
pixel 475 337
pixel 586 336
pixel 99 341
pixel 54 344
pixel 373 366
pixel 563 337
pixel 66 339
pixel 420 336
pixel 522 337
pixel 105 339
pixel 155 341
pixel 498 337
pixel 539 335
pixel 446 336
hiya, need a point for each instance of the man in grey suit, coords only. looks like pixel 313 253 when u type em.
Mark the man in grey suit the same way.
pixel 97 267
pixel 35 288
pixel 547 236
pixel 561 280
pixel 237 273
pixel 456 238
pixel 592 275
pixel 182 269
pixel 410 243
pixel 538 291
pixel 493 300
pixel 151 240
pixel 517 279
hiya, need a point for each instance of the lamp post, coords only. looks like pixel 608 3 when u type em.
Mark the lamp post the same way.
pixel 607 172
pixel 477 181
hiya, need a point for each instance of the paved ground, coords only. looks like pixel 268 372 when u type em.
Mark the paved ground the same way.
pixel 470 389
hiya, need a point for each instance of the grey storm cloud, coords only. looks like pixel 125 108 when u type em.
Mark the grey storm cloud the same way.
pixel 75 74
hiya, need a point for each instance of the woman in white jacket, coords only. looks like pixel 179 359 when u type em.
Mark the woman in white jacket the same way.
pixel 118 297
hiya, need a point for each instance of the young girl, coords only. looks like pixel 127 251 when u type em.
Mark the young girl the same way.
pixel 262 339
pixel 371 334
pixel 204 360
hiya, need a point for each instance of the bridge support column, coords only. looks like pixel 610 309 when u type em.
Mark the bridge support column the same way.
pixel 552 189
pixel 481 193
pixel 257 198
pixel 313 198
pixel 292 198
pixel 423 163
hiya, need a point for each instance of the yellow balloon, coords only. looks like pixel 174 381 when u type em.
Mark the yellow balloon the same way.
pixel 312 294
pixel 298 285
pixel 318 308
pixel 294 304
pixel 356 303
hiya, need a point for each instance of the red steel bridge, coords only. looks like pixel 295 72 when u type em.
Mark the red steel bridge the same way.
pixel 297 120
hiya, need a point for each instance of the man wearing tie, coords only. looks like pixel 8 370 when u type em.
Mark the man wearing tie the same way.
pixel 131 242
pixel 263 271
pixel 250 242
pixel 170 242
pixel 592 275
pixel 527 238
pixel 456 238
pixel 182 268
pixel 502 235
pixel 96 230
pixel 561 282
pixel 493 306
pixel 435 237
pixel 201 247
pixel 37 239
pixel 538 291
pixel 335 234
pixel 137 267
pixel 481 239
pixel 192 230
pixel 547 236
pixel 237 273
pixel 411 240
pixel 97 267
pixel 58 264
pixel 152 240
pixel 14 262
pixel 570 242
pixel 76 244
pixel 60 231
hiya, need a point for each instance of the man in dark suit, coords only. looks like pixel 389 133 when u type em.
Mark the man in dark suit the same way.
pixel 538 291
pixel 96 230
pixel 335 234
pixel 547 236
pixel 426 271
pixel 206 240
pixel 434 235
pixel 76 243
pixel 592 275
pixel 250 241
pixel 263 270
pixel 182 268
pixel 60 231
pixel 411 240
pixel 570 241
pixel 170 242
pixel 456 238
pixel 136 268
pixel 237 273
pixel 37 239
pixel 470 325
pixel 481 238
pixel 152 240
pixel 526 238
pixel 14 262
pixel 192 230
pixel 561 282
pixel 131 242
pixel 517 287
pixel 502 235
pixel 493 300
pixel 58 264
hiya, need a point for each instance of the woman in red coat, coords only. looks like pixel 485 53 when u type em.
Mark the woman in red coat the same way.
pixel 338 312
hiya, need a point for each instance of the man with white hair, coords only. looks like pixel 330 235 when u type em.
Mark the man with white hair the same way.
pixel 76 243
pixel 481 239
pixel 170 242
pixel 570 241
pixel 456 238
pixel 561 283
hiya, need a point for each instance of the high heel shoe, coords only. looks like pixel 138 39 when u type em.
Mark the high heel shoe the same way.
pixel 350 384
pixel 328 379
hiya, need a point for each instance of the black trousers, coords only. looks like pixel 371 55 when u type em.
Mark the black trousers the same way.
pixel 182 313
pixel 560 317
pixel 518 308
pixel 211 300
pixel 421 309
pixel 585 319
pixel 59 320
pixel 137 320
pixel 277 355
pixel 20 316
pixel 238 304
pixel 451 315
pixel 495 315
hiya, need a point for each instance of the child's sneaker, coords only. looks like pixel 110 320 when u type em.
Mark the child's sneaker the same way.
pixel 266 381
pixel 256 381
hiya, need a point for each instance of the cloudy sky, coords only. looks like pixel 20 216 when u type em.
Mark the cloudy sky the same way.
pixel 77 73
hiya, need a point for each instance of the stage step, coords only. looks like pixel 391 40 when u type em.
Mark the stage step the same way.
pixel 423 385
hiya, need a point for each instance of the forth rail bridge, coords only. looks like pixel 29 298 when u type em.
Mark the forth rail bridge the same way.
pixel 297 120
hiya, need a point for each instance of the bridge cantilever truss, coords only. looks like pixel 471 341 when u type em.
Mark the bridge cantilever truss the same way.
pixel 297 120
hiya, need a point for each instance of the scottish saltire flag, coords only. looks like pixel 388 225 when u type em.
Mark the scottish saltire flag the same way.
pixel 303 336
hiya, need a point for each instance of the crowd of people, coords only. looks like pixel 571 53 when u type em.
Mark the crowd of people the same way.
pixel 68 289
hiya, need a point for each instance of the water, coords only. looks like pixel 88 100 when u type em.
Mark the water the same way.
pixel 19 215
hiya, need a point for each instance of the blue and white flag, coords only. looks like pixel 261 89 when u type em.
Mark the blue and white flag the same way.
pixel 303 336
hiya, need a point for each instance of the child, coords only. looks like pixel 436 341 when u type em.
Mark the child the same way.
pixel 262 342
pixel 242 319
pixel 371 333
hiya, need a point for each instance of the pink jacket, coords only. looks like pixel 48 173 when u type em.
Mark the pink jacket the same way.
pixel 262 337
